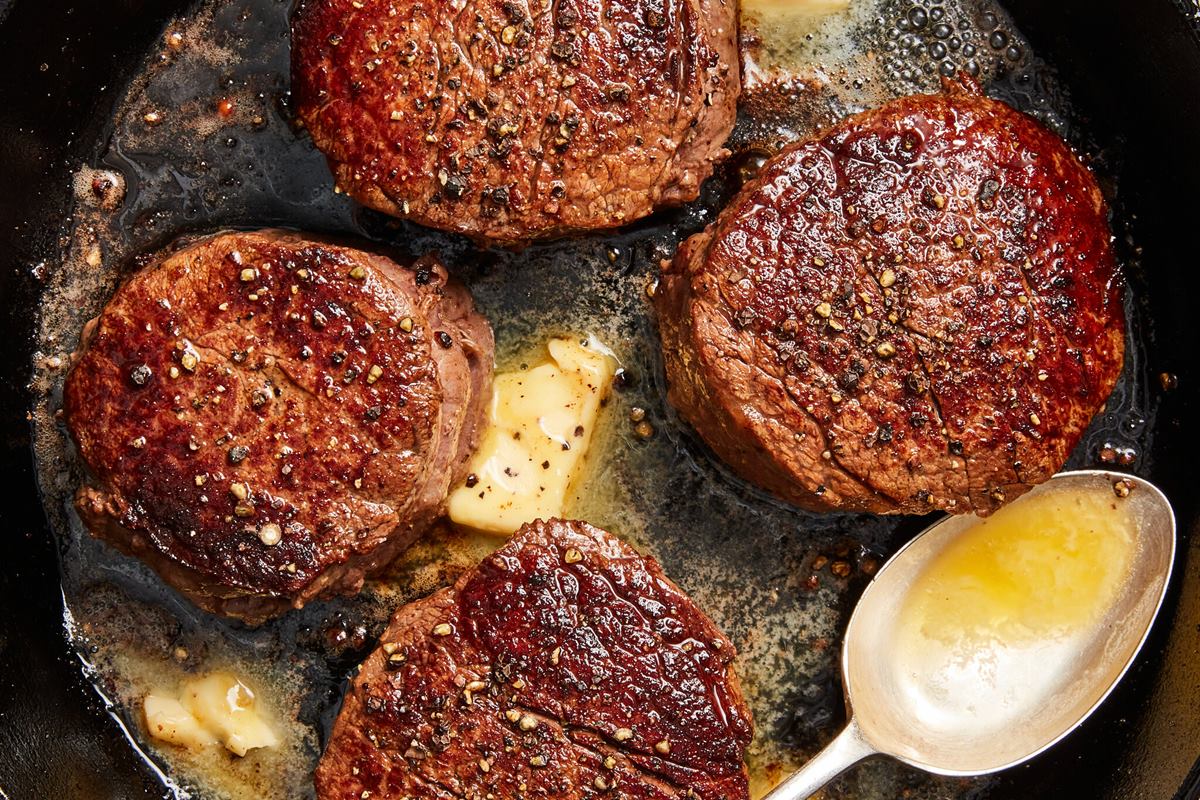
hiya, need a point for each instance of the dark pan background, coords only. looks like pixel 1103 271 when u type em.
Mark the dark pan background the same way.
pixel 1133 68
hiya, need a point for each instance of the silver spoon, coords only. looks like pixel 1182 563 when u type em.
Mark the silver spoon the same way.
pixel 969 733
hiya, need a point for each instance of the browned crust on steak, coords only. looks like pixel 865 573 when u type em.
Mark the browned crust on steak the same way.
pixel 572 629
pixel 917 309
pixel 507 121
pixel 285 331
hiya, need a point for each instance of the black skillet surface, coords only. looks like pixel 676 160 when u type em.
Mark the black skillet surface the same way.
pixel 1134 74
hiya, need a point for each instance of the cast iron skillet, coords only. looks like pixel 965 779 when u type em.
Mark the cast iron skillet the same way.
pixel 1134 71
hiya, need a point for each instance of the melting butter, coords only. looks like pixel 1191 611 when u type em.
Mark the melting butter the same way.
pixel 541 424
pixel 212 709
pixel 1045 566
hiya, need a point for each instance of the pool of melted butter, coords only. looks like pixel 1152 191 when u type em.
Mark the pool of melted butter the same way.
pixel 1044 568
pixel 1011 606
pixel 202 139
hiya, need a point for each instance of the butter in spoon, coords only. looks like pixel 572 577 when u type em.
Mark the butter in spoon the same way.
pixel 983 642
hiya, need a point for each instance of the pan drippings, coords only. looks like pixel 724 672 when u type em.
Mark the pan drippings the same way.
pixel 203 139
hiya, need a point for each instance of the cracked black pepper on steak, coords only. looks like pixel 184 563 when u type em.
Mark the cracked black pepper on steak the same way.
pixel 506 121
pixel 917 309
pixel 566 665
pixel 267 419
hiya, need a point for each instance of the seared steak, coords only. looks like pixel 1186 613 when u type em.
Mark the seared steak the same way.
pixel 507 120
pixel 918 309
pixel 565 666
pixel 269 419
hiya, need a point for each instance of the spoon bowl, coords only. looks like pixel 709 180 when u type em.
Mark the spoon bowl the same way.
pixel 955 709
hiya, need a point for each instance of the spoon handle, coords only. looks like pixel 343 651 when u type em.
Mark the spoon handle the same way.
pixel 846 750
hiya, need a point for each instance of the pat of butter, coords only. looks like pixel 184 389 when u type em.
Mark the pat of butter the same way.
pixel 541 425
pixel 168 720
pixel 213 709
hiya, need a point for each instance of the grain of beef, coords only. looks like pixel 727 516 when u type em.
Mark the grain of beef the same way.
pixel 511 121
pixel 268 419
pixel 917 309
pixel 565 666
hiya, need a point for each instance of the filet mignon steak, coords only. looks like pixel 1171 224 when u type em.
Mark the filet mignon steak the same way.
pixel 564 666
pixel 268 419
pixel 510 120
pixel 917 309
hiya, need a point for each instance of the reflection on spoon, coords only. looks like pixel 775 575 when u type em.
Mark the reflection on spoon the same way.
pixel 983 642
